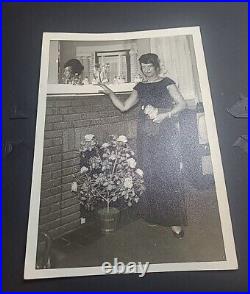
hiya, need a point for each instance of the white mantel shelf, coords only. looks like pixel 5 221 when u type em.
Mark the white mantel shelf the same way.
pixel 62 90
pixel 85 90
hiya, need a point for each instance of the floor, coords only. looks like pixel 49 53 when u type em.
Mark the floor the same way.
pixel 136 241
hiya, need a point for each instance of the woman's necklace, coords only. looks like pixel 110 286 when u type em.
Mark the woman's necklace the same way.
pixel 156 79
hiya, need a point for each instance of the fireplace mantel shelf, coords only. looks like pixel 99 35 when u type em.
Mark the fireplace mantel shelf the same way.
pixel 62 90
pixel 85 90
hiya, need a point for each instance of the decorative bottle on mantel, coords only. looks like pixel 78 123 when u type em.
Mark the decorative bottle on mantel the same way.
pixel 92 67
pixel 133 63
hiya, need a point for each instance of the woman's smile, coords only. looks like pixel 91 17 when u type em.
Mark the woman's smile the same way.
pixel 148 70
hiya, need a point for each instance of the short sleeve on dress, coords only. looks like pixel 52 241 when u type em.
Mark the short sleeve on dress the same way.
pixel 137 87
pixel 169 82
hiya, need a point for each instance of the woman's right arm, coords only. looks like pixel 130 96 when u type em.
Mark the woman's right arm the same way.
pixel 122 106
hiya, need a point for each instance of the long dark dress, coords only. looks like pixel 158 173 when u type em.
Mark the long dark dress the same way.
pixel 159 156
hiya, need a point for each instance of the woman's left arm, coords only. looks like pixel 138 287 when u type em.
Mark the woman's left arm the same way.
pixel 180 104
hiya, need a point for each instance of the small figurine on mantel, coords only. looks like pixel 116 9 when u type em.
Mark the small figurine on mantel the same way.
pixel 85 81
pixel 138 78
pixel 96 74
pixel 105 73
pixel 163 72
pixel 72 72
pixel 120 80
pixel 100 74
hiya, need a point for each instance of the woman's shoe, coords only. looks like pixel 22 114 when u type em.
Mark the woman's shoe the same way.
pixel 152 225
pixel 178 235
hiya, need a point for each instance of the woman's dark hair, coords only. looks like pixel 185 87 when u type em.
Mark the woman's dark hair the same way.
pixel 76 66
pixel 150 58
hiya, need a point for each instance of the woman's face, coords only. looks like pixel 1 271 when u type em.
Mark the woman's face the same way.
pixel 149 70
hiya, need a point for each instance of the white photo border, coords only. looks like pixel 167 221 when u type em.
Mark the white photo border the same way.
pixel 30 271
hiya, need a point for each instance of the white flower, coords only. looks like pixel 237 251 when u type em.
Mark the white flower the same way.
pixel 89 137
pixel 139 172
pixel 105 145
pixel 131 162
pixel 112 157
pixel 151 111
pixel 148 108
pixel 128 183
pixel 84 169
pixel 122 139
pixel 74 187
pixel 136 199
pixel 110 187
pixel 153 114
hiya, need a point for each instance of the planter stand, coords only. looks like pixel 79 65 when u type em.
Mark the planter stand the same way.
pixel 108 219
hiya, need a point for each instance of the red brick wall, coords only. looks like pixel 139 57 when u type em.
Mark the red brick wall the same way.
pixel 68 119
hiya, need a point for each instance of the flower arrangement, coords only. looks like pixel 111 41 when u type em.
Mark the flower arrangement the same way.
pixel 150 110
pixel 73 79
pixel 108 172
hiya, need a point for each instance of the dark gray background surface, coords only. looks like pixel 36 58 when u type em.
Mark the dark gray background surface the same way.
pixel 224 32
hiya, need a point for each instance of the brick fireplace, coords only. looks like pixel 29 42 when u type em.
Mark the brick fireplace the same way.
pixel 67 120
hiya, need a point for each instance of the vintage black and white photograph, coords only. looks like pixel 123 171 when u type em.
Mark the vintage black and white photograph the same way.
pixel 127 173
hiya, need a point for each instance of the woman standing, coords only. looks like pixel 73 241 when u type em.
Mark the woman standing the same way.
pixel 157 144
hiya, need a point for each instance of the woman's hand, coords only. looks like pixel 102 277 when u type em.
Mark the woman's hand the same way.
pixel 160 117
pixel 106 90
pixel 151 111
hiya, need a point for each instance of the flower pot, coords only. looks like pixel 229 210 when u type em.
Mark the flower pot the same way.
pixel 108 219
